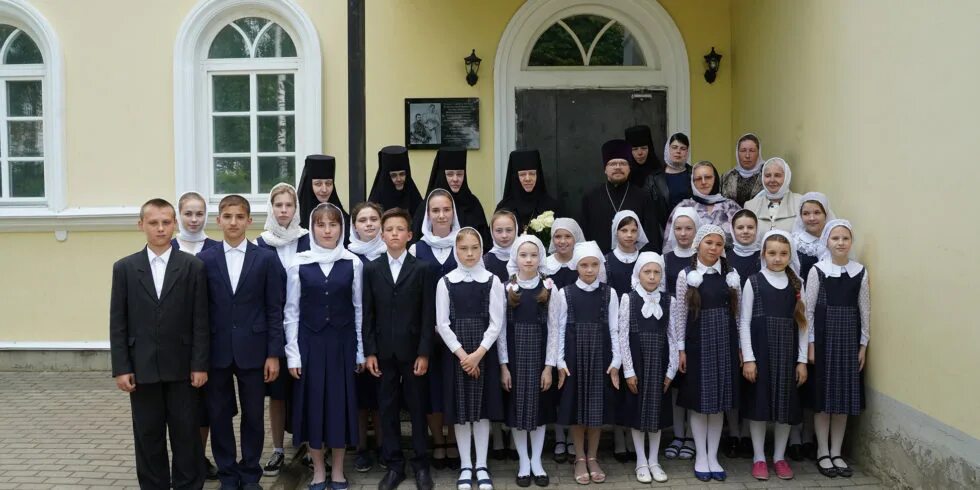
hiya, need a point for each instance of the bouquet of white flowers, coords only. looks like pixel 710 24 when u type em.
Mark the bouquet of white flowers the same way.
pixel 541 227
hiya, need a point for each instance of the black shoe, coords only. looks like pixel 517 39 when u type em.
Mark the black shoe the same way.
pixel 622 457
pixel 439 463
pixel 423 479
pixel 318 486
pixel 228 486
pixel 845 470
pixel 512 453
pixel 828 472
pixel 541 480
pixel 211 471
pixel 745 448
pixel 810 451
pixel 730 447
pixel 561 457
pixel 498 454
pixel 274 465
pixel 523 481
pixel 391 480
pixel 363 462
pixel 251 486
pixel 795 452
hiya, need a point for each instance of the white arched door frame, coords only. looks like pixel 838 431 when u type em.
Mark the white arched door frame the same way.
pixel 657 37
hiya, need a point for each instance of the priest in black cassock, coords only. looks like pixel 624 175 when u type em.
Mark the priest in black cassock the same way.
pixel 615 194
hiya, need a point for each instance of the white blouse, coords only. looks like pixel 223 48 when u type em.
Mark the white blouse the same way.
pixel 778 280
pixel 551 349
pixel 678 309
pixel 287 252
pixel 441 254
pixel 624 341
pixel 560 312
pixel 291 320
pixel 864 296
pixel 498 311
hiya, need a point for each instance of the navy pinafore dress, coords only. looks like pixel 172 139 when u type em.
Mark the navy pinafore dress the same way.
pixel 527 342
pixel 650 409
pixel 587 397
pixel 471 399
pixel 424 253
pixel 838 384
pixel 711 345
pixel 775 340
pixel 674 266
pixel 620 278
pixel 324 398
pixel 806 391
pixel 496 267
pixel 745 266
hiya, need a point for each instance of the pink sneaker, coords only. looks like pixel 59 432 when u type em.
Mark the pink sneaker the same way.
pixel 783 471
pixel 760 470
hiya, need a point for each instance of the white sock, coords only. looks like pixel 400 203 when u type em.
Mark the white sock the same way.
pixel 715 423
pixel 779 440
pixel 821 424
pixel 463 441
pixel 498 436
pixel 732 416
pixel 641 456
pixel 654 438
pixel 758 430
pixel 680 415
pixel 699 429
pixel 278 450
pixel 481 437
pixel 537 447
pixel 619 440
pixel 520 443
pixel 838 425
pixel 795 434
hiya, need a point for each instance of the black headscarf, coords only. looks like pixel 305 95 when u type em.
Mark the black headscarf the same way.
pixel 467 205
pixel 526 205
pixel 638 136
pixel 383 192
pixel 317 167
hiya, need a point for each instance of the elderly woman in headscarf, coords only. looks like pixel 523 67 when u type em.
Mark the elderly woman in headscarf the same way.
pixel 745 180
pixel 775 206
pixel 712 207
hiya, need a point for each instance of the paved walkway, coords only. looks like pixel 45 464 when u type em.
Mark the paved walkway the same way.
pixel 73 430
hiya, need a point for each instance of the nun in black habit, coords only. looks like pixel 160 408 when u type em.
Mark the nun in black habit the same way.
pixel 468 207
pixel 616 194
pixel 394 168
pixel 526 204
pixel 316 186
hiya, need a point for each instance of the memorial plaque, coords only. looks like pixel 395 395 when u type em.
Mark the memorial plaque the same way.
pixel 434 123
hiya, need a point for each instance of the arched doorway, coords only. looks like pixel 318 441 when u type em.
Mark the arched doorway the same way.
pixel 571 73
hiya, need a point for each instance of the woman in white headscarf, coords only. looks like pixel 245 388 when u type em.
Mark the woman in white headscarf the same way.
pixel 814 214
pixel 745 180
pixel 775 206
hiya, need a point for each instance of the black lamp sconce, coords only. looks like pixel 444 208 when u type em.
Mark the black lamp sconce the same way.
pixel 472 68
pixel 713 60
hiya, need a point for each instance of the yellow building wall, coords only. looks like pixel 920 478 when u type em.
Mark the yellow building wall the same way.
pixel 875 104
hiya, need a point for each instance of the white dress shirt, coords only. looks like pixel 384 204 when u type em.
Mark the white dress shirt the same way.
pixel 498 310
pixel 395 265
pixel 561 319
pixel 235 258
pixel 287 252
pixel 778 280
pixel 158 267
pixel 291 313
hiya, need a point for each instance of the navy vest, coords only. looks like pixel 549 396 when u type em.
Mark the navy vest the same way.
pixel 326 300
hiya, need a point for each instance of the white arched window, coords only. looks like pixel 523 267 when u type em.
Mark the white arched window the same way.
pixel 30 111
pixel 247 97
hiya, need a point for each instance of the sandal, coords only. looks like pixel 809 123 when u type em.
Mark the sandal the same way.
pixel 582 478
pixel 687 452
pixel 484 483
pixel 673 448
pixel 828 472
pixel 597 476
pixel 465 483
pixel 845 470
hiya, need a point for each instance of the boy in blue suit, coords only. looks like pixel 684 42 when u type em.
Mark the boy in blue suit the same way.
pixel 245 313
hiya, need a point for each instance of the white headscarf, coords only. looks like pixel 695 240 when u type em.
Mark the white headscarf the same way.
pixel 513 267
pixel 651 300
pixel 695 278
pixel 641 236
pixel 825 236
pixel 826 263
pixel 478 272
pixel 758 159
pixel 569 225
pixel 783 189
pixel 671 163
pixel 427 236
pixel 503 253
pixel 317 253
pixel 710 198
pixel 276 235
pixel 804 241
pixel 589 249
pixel 745 250
pixel 371 249
pixel 672 240
pixel 794 259
pixel 182 233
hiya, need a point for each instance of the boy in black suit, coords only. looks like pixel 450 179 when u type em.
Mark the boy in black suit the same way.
pixel 158 332
pixel 245 310
pixel 399 318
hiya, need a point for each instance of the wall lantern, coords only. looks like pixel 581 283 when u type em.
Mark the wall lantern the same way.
pixel 472 67
pixel 713 60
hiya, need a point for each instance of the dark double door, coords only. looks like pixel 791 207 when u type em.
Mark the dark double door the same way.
pixel 569 127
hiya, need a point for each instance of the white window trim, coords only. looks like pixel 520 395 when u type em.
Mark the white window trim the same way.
pixel 28 19
pixel 191 123
pixel 654 30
